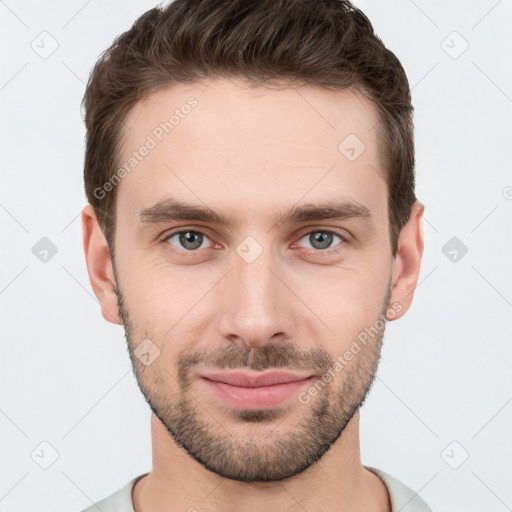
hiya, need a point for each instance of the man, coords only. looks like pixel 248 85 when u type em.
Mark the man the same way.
pixel 253 225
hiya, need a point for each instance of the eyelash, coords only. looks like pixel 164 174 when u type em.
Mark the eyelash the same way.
pixel 329 250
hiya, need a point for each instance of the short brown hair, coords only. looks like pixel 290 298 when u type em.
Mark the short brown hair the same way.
pixel 326 43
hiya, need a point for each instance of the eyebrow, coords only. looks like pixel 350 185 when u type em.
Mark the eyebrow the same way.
pixel 170 210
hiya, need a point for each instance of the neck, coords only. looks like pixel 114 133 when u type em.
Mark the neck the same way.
pixel 338 481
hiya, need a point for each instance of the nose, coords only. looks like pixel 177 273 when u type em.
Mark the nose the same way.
pixel 256 303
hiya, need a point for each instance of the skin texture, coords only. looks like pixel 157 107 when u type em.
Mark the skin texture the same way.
pixel 253 154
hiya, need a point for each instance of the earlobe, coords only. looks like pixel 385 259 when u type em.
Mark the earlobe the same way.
pixel 99 265
pixel 407 262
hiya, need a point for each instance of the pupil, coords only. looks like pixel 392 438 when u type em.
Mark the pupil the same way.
pixel 187 240
pixel 322 239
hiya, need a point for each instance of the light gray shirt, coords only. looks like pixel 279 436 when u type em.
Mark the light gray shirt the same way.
pixel 402 498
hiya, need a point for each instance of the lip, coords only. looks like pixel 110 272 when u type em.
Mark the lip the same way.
pixel 253 390
pixel 255 380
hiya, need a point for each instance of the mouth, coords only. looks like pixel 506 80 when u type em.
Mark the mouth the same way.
pixel 246 390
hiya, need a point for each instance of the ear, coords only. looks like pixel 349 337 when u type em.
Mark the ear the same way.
pixel 406 264
pixel 99 265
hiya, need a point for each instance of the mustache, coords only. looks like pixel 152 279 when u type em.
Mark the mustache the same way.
pixel 271 355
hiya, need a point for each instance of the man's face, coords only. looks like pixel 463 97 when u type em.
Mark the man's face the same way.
pixel 267 292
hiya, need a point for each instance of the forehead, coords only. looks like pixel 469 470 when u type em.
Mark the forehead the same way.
pixel 232 107
pixel 227 141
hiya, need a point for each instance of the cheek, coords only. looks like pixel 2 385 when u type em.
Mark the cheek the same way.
pixel 148 305
pixel 347 303
pixel 346 297
pixel 169 306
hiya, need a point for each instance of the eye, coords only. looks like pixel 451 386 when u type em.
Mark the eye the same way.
pixel 187 239
pixel 193 240
pixel 321 239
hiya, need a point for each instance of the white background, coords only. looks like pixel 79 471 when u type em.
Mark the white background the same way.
pixel 445 374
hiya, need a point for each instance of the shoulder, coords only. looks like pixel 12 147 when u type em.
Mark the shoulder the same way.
pixel 403 498
pixel 119 501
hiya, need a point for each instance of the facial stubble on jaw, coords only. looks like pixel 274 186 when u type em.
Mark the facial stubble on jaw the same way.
pixel 261 456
